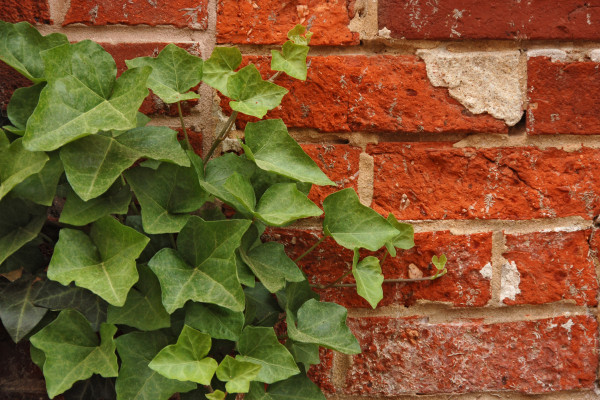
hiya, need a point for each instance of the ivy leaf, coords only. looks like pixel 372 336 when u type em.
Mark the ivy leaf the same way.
pixel 186 360
pixel 174 72
pixel 354 225
pixel 54 296
pixel 218 322
pixel 92 164
pixel 244 273
pixel 305 353
pixel 41 186
pixel 257 392
pixel 283 203
pixel 296 294
pixel 261 307
pixel 259 345
pixel 216 395
pixel 157 242
pixel 270 146
pixel 292 61
pixel 299 35
pixel 73 351
pixel 78 212
pixel 204 269
pixel 21 106
pixel 143 308
pixel 18 312
pixel 21 222
pixel 405 238
pixel 20 47
pixel 369 278
pixel 323 324
pixel 237 374
pixel 298 387
pixel 220 66
pixel 83 97
pixel 136 380
pixel 93 388
pixel 28 257
pixel 252 95
pixel 262 180
pixel 103 262
pixel 166 196
pixel 272 266
pixel 17 164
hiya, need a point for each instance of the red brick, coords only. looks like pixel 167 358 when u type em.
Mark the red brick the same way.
pixel 128 51
pixel 179 13
pixel 563 97
pixel 10 80
pixel 371 93
pixel 268 21
pixel 405 355
pixel 194 137
pixel 33 11
pixel 464 284
pixel 495 19
pixel 420 181
pixel 322 374
pixel 553 266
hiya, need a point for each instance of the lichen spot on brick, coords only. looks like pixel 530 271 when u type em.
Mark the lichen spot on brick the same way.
pixel 482 81
pixel 509 281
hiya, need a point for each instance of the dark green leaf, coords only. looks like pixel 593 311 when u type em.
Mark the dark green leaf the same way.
pixel 220 66
pixel 368 276
pixel 257 392
pixel 298 293
pixel 252 95
pixel 22 103
pixel 17 163
pixel 262 180
pixel 283 203
pixel 41 187
pixel 244 273
pixel 29 257
pixel 298 387
pixel 18 313
pixel 103 262
pixel 237 374
pixel 96 388
pixel 78 212
pixel 305 353
pixel 20 223
pixel 292 61
pixel 157 242
pixel 261 308
pixel 218 322
pixel 272 266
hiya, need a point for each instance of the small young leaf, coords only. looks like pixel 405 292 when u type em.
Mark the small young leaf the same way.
pixel 216 395
pixel 186 360
pixel 174 72
pixel 218 322
pixel 78 212
pixel 283 203
pixel 73 351
pixel 368 276
pixel 237 374
pixel 18 312
pixel 41 186
pixel 17 164
pixel 300 35
pixel 292 61
pixel 252 95
pixel 20 223
pixel 220 66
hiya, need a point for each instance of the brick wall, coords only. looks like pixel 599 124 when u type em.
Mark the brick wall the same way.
pixel 477 121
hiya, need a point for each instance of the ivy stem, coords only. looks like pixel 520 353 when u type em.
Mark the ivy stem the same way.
pixel 275 76
pixel 334 283
pixel 46 237
pixel 221 136
pixel 384 256
pixel 428 278
pixel 307 252
pixel 187 139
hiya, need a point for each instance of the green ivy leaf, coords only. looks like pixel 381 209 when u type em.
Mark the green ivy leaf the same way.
pixel 20 223
pixel 166 196
pixel 298 387
pixel 292 61
pixel 262 180
pixel 103 262
pixel 21 106
pixel 136 380
pixel 17 164
pixel 252 95
pixel 18 312
pixel 270 146
pixel 29 257
pixel 368 276
pixel 220 66
pixel 244 273
pixel 73 351
pixel 92 164
pixel 259 345
pixel 186 360
pixel 174 72
pixel 216 395
pixel 41 186
pixel 83 97
pixel 353 225
pixel 261 307
pixel 37 356
pixel 305 353
pixel 204 269
pixel 218 322
pixel 296 294
pixel 94 388
pixel 300 35
pixel 20 47
pixel 257 392
pixel 143 308
pixel 157 242
pixel 323 324
pixel 54 296
pixel 78 212
pixel 405 238
pixel 272 266
pixel 237 374
pixel 283 203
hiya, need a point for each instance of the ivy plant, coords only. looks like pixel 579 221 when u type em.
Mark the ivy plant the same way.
pixel 135 267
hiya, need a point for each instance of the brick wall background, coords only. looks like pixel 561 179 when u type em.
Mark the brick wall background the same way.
pixel 477 121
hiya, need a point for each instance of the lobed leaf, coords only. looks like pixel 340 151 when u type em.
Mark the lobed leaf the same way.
pixel 21 105
pixel 220 67
pixel 368 276
pixel 272 266
pixel 298 387
pixel 20 223
pixel 18 312
pixel 218 322
pixel 17 164
pixel 292 60
pixel 237 374
pixel 78 212
pixel 252 95
pixel 405 238
pixel 41 186
pixel 283 203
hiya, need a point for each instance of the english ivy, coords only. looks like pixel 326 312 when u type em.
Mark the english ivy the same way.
pixel 111 228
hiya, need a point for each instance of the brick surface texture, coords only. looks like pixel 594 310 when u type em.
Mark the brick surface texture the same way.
pixel 515 209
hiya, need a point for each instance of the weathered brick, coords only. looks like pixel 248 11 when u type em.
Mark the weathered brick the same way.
pixel 179 13
pixel 322 374
pixel 194 137
pixel 405 355
pixel 268 21
pixel 10 80
pixel 553 266
pixel 564 97
pixel 496 19
pixel 371 93
pixel 420 181
pixel 464 285
pixel 33 11
pixel 128 51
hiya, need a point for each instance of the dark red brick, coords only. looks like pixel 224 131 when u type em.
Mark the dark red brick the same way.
pixel 407 355
pixel 268 21
pixel 33 11
pixel 10 80
pixel 494 19
pixel 322 374
pixel 420 181
pixel 563 97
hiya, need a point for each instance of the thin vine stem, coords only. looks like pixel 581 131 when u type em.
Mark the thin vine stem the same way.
pixel 46 238
pixel 185 134
pixel 307 252
pixel 221 136
pixel 275 76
